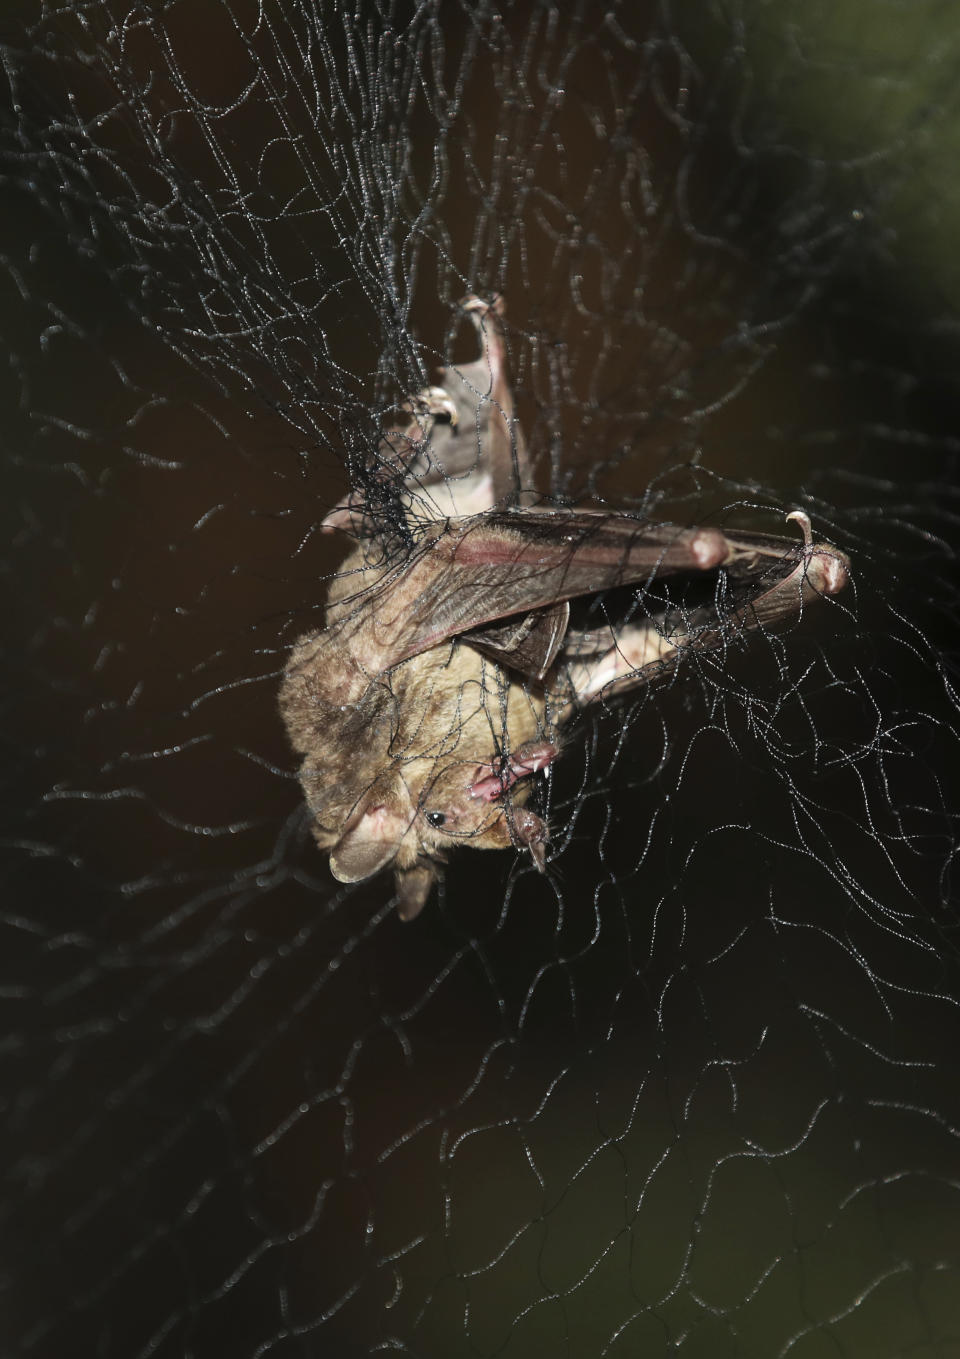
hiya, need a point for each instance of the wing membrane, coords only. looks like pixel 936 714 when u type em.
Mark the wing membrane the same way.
pixel 470 573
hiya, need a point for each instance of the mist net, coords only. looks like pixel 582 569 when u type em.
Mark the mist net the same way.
pixel 694 1088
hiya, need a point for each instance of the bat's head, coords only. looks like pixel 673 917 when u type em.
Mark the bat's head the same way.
pixel 402 773
pixel 482 804
pixel 411 823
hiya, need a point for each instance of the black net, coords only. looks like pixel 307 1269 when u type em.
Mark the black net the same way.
pixel 694 1089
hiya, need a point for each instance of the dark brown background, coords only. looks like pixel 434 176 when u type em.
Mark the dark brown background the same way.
pixel 695 1090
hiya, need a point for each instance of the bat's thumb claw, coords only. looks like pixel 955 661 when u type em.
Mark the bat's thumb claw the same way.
pixel 828 569
pixel 803 519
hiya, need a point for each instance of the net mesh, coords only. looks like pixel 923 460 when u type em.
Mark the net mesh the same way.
pixel 694 1089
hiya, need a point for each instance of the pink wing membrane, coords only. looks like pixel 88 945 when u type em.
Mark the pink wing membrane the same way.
pixel 470 572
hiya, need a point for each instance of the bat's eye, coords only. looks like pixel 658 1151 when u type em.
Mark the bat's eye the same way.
pixel 436 818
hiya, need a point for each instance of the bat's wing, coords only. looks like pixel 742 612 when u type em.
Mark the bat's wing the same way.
pixel 760 591
pixel 527 643
pixel 459 449
pixel 468 574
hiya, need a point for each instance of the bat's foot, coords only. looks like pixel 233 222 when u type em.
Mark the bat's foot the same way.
pixel 480 308
pixel 487 321
pixel 435 401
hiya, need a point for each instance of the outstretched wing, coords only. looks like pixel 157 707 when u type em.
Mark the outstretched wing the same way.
pixel 470 573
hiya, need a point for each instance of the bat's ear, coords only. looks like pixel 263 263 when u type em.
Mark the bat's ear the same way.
pixel 370 842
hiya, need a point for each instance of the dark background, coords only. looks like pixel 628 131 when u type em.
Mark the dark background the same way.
pixel 693 1091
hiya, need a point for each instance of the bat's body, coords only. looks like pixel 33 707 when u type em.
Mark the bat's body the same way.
pixel 440 683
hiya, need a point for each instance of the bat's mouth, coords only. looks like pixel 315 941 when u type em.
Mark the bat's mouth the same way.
pixel 499 777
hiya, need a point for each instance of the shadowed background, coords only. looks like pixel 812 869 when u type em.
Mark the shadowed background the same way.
pixel 693 1091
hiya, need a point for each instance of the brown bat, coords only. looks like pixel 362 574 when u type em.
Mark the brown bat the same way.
pixel 441 681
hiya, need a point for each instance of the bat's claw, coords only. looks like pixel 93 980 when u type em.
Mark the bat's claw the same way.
pixel 479 306
pixel 828 570
pixel 803 519
pixel 435 401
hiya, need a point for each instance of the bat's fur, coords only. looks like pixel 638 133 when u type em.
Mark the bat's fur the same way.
pixel 418 711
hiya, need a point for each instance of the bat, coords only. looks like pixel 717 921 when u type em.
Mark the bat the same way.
pixel 442 679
